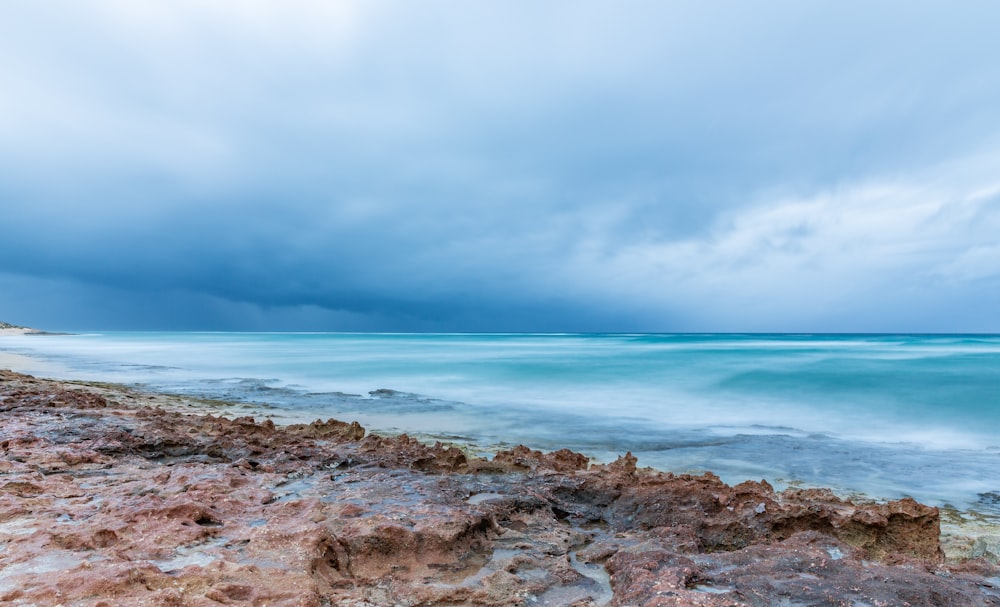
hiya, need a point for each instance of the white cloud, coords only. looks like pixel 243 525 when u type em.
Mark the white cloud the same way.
pixel 976 263
pixel 801 260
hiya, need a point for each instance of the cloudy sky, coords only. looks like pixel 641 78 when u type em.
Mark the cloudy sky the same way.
pixel 500 165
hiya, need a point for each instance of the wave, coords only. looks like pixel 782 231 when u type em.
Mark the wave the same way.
pixel 885 415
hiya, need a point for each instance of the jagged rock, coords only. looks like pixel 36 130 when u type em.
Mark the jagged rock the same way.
pixel 105 500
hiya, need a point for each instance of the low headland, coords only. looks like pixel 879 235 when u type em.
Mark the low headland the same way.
pixel 8 329
pixel 113 496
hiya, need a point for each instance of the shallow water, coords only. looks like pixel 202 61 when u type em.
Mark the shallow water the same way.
pixel 882 415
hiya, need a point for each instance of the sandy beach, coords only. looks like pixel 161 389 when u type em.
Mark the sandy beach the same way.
pixel 26 364
pixel 9 329
pixel 110 496
pixel 13 361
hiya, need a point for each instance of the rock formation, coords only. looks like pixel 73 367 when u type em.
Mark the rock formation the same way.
pixel 108 499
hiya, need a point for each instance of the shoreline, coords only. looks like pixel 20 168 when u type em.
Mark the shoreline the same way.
pixel 982 515
pixel 696 418
pixel 965 533
pixel 11 330
pixel 129 496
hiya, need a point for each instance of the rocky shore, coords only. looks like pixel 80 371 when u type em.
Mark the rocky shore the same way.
pixel 113 497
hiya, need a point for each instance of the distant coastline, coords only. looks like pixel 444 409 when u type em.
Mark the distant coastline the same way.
pixel 7 328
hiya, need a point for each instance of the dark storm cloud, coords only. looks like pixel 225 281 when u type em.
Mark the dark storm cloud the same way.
pixel 659 166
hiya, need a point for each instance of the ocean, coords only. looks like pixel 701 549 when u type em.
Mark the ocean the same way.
pixel 883 416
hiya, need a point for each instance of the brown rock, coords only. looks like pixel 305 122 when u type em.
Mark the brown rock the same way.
pixel 523 458
pixel 105 503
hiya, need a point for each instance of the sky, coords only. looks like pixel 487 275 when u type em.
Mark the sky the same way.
pixel 823 166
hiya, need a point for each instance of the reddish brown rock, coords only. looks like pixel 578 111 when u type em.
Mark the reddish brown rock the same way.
pixel 331 428
pixel 523 458
pixel 105 501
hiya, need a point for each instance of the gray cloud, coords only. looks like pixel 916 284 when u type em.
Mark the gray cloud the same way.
pixel 575 166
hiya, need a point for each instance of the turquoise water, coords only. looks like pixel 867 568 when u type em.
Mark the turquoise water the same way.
pixel 884 415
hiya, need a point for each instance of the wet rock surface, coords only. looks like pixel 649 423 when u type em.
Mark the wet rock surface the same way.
pixel 106 500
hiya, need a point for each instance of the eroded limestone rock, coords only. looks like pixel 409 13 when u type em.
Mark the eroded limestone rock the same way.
pixel 106 501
